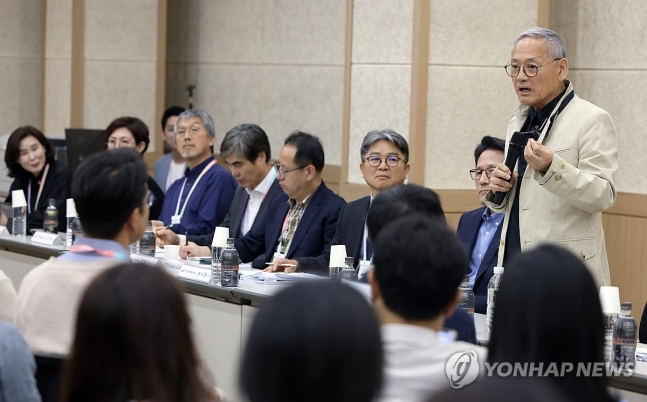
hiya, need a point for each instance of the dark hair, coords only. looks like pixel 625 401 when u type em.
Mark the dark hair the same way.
pixel 488 143
pixel 384 135
pixel 107 187
pixel 248 141
pixel 309 149
pixel 323 336
pixel 12 154
pixel 171 111
pixel 512 389
pixel 419 265
pixel 137 128
pixel 548 310
pixel 133 341
pixel 402 200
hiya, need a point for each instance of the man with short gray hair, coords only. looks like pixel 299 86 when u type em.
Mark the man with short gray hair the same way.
pixel 564 178
pixel 198 202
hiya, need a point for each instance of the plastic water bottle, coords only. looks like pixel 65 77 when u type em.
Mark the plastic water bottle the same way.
pixel 229 265
pixel 467 296
pixel 147 242
pixel 348 272
pixel 19 225
pixel 624 338
pixel 50 220
pixel 216 261
pixel 134 247
pixel 492 289
pixel 77 229
pixel 71 213
pixel 609 322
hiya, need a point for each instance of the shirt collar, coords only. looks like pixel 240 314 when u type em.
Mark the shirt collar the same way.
pixel 195 172
pixel 543 114
pixel 102 244
pixel 264 186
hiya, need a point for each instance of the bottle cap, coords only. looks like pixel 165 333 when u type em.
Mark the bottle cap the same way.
pixel 52 202
pixel 498 270
pixel 349 261
pixel 625 306
pixel 71 208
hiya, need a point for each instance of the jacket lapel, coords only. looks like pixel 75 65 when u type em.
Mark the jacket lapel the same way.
pixel 357 224
pixel 239 206
pixel 274 189
pixel 275 230
pixel 312 210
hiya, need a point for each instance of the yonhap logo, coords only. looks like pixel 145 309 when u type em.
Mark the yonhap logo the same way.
pixel 462 368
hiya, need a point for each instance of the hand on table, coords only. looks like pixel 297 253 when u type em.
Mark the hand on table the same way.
pixel 283 265
pixel 194 251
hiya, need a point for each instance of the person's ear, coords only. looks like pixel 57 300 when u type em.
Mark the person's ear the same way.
pixel 140 147
pixel 563 68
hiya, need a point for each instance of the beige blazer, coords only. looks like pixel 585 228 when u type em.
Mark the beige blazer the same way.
pixel 564 206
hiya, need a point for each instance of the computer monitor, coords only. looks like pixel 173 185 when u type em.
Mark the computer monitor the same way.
pixel 82 142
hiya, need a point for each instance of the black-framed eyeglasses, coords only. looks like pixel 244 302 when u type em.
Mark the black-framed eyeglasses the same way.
pixel 531 70
pixel 280 172
pixel 375 161
pixel 478 173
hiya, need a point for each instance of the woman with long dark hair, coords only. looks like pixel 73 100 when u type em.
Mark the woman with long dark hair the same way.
pixel 133 341
pixel 548 311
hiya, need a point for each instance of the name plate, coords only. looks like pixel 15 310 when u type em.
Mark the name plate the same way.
pixel 4 232
pixel 144 259
pixel 47 239
pixel 194 273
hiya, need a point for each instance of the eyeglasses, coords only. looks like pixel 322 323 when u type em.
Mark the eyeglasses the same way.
pixel 122 143
pixel 375 161
pixel 280 172
pixel 195 130
pixel 531 70
pixel 478 173
pixel 150 198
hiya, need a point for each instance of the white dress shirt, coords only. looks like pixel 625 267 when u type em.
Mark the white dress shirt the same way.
pixel 256 197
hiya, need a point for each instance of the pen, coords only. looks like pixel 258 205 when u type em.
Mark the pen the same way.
pixel 281 265
pixel 186 243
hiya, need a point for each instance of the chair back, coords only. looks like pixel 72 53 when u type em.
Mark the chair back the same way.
pixel 48 375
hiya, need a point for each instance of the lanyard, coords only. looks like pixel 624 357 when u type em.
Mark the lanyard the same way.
pixel 40 190
pixel 552 118
pixel 177 208
pixel 86 249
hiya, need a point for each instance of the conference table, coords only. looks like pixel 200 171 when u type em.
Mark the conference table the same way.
pixel 222 316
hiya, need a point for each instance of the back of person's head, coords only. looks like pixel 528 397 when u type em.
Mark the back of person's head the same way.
pixel 403 200
pixel 419 265
pixel 204 117
pixel 12 152
pixel 488 143
pixel 511 389
pixel 170 112
pixel 137 128
pixel 246 140
pixel 314 341
pixel 133 341
pixel 548 311
pixel 309 149
pixel 107 187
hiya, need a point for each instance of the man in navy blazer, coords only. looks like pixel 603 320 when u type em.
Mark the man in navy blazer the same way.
pixel 300 223
pixel 480 229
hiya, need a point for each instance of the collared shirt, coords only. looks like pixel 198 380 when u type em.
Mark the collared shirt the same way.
pixel 489 226
pixel 292 221
pixel 97 244
pixel 256 197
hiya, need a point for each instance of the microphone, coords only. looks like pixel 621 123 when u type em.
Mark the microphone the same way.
pixel 517 144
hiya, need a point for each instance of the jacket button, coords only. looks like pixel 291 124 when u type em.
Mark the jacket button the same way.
pixel 562 166
pixel 558 177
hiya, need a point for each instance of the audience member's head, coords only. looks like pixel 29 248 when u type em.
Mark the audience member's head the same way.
pixel 129 132
pixel 512 389
pixel 487 156
pixel 397 202
pixel 419 264
pixel 195 134
pixel 110 192
pixel 133 341
pixel 246 150
pixel 168 124
pixel 548 311
pixel 28 150
pixel 314 341
pixel 301 161
pixel 384 159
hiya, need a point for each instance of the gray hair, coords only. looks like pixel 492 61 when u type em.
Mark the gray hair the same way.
pixel 555 44
pixel 385 135
pixel 246 140
pixel 207 121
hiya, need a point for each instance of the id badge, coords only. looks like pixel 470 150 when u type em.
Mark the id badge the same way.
pixel 176 219
pixel 362 268
pixel 277 256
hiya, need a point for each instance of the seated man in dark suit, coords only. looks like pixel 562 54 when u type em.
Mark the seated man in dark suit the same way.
pixel 246 151
pixel 400 201
pixel 300 223
pixel 480 229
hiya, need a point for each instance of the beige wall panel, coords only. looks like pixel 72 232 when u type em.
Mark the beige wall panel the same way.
pixel 59 31
pixel 477 33
pixel 216 30
pixel 382 31
pixel 20 89
pixel 622 94
pixel 58 77
pixel 602 34
pixel 459 116
pixel 113 89
pixel 304 32
pixel 380 98
pixel 20 28
pixel 303 98
pixel 121 30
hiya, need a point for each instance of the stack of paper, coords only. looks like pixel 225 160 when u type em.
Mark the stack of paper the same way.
pixel 277 277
